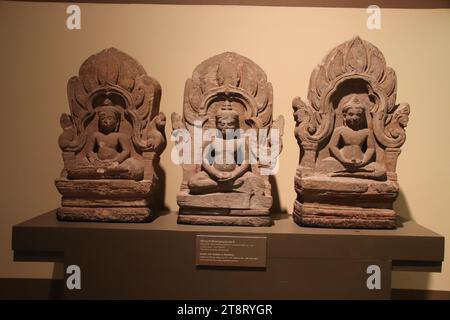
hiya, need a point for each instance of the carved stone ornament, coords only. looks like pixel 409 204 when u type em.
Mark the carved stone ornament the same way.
pixel 228 142
pixel 111 141
pixel 350 133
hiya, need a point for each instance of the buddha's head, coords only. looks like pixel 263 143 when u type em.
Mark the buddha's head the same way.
pixel 227 119
pixel 108 118
pixel 353 113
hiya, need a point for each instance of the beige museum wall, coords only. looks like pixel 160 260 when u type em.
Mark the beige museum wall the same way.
pixel 38 55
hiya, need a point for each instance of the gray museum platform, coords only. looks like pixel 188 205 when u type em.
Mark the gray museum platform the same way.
pixel 158 260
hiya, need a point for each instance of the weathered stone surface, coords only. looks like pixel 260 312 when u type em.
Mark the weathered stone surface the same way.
pixel 350 136
pixel 261 202
pixel 323 182
pixel 111 141
pixel 104 189
pixel 230 200
pixel 312 187
pixel 343 222
pixel 215 200
pixel 223 211
pixel 344 216
pixel 107 214
pixel 227 93
pixel 93 202
pixel 249 221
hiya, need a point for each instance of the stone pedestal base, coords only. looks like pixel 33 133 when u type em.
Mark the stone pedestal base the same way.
pixel 337 216
pixel 328 202
pixel 227 209
pixel 157 260
pixel 129 214
pixel 105 200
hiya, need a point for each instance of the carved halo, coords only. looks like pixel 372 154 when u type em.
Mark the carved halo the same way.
pixel 228 76
pixel 354 60
pixel 231 94
pixel 111 73
pixel 115 93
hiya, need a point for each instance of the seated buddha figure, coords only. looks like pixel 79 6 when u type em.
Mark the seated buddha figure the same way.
pixel 225 166
pixel 352 146
pixel 108 151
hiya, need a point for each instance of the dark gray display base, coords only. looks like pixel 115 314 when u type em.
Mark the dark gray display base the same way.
pixel 157 260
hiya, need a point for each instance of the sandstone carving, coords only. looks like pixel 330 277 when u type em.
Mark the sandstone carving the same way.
pixel 111 141
pixel 350 134
pixel 225 178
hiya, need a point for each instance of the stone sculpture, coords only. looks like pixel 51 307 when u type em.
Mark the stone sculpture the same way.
pixel 111 141
pixel 350 136
pixel 226 130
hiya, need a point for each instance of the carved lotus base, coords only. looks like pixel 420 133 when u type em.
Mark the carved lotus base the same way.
pixel 228 209
pixel 105 200
pixel 345 203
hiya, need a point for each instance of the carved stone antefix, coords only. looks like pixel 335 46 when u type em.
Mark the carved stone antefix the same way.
pixel 111 141
pixel 230 144
pixel 350 136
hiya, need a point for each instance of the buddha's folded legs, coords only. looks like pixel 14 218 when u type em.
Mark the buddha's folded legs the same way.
pixel 371 171
pixel 250 183
pixel 202 183
pixel 129 169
